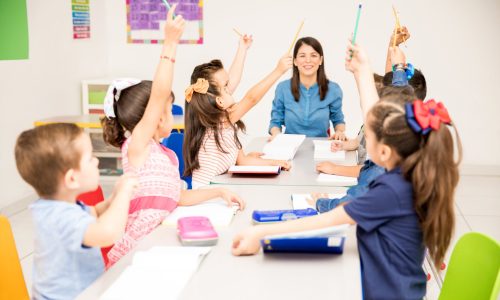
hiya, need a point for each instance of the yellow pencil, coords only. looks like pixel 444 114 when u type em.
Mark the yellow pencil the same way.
pixel 296 35
pixel 398 25
pixel 237 32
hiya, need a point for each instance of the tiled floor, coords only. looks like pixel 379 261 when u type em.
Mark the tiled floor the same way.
pixel 477 203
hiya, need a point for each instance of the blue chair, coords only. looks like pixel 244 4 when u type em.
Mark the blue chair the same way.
pixel 174 142
pixel 177 111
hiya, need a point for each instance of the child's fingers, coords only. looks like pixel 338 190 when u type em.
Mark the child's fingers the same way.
pixel 171 12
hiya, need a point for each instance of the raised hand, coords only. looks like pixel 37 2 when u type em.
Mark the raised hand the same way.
pixel 173 27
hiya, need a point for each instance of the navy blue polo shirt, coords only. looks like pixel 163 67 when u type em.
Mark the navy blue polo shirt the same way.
pixel 390 240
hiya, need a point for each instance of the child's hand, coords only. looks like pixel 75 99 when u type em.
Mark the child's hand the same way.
pixel 326 167
pixel 126 185
pixel 285 63
pixel 246 41
pixel 402 35
pixel 231 198
pixel 173 27
pixel 397 56
pixel 338 135
pixel 336 146
pixel 255 154
pixel 313 198
pixel 356 59
pixel 284 164
pixel 247 242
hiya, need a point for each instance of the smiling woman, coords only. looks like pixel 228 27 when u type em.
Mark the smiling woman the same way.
pixel 306 103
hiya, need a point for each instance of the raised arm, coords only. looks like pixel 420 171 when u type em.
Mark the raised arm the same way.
pixel 160 91
pixel 255 94
pixel 236 68
pixel 402 35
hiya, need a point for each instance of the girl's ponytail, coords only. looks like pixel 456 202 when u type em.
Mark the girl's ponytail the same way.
pixel 113 132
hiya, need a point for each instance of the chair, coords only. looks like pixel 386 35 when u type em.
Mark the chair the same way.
pixel 177 111
pixel 174 142
pixel 12 284
pixel 473 270
pixel 91 199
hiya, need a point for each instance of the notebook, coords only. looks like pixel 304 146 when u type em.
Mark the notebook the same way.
pixel 299 201
pixel 326 240
pixel 322 151
pixel 217 210
pixel 264 170
pixel 152 269
pixel 283 146
pixel 337 179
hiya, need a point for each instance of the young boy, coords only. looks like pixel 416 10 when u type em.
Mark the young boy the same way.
pixel 57 161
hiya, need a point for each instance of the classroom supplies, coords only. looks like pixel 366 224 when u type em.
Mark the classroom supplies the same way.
pixel 196 231
pixel 237 32
pixel 296 35
pixel 326 240
pixel 283 146
pixel 322 151
pixel 337 179
pixel 397 27
pixel 268 216
pixel 151 270
pixel 217 210
pixel 300 201
pixel 168 7
pixel 257 170
pixel 357 23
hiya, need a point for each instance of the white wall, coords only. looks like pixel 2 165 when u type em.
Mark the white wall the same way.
pixel 456 44
pixel 48 83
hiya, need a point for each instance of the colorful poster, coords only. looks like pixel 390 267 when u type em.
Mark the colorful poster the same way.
pixel 14 40
pixel 146 19
pixel 81 19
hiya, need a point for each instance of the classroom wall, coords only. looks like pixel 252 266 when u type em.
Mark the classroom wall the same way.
pixel 456 44
pixel 48 83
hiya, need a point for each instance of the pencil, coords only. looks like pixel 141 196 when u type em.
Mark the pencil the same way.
pixel 357 23
pixel 168 6
pixel 398 25
pixel 237 32
pixel 296 35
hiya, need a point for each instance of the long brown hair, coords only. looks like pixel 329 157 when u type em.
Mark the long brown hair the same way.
pixel 202 115
pixel 321 75
pixel 129 110
pixel 430 163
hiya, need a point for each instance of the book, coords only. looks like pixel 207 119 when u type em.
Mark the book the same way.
pixel 217 210
pixel 326 240
pixel 337 179
pixel 322 151
pixel 299 201
pixel 283 146
pixel 264 170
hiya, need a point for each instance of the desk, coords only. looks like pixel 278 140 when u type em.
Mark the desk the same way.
pixel 273 276
pixel 93 121
pixel 303 171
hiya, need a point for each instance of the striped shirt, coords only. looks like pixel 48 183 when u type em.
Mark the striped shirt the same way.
pixel 212 161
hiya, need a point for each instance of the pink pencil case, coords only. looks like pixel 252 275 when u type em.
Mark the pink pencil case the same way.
pixel 196 231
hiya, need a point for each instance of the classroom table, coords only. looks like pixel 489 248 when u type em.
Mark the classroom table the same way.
pixel 271 276
pixel 303 171
pixel 93 121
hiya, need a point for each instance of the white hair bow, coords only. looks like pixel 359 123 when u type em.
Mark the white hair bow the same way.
pixel 113 94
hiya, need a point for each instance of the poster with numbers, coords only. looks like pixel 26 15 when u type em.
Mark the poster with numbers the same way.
pixel 146 20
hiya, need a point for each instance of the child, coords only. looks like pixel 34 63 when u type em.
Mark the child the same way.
pixel 211 143
pixel 408 208
pixel 144 110
pixel 57 161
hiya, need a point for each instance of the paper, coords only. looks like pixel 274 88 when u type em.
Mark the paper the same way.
pixel 322 151
pixel 217 210
pixel 338 230
pixel 254 170
pixel 159 273
pixel 299 201
pixel 283 146
pixel 337 179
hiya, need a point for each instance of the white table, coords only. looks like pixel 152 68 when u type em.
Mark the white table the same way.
pixel 270 276
pixel 302 173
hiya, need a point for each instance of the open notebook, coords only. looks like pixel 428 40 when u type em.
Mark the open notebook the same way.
pixel 322 151
pixel 159 273
pixel 299 201
pixel 283 146
pixel 263 170
pixel 337 179
pixel 217 210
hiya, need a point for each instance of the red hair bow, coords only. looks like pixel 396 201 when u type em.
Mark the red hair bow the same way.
pixel 425 116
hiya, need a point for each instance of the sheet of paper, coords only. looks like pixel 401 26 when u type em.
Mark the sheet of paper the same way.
pixel 322 151
pixel 217 210
pixel 336 179
pixel 338 230
pixel 254 169
pixel 283 146
pixel 299 201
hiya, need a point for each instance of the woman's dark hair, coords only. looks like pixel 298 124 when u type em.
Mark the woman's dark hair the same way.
pixel 203 115
pixel 321 76
pixel 129 110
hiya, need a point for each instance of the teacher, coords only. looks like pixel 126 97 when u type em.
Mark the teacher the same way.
pixel 306 103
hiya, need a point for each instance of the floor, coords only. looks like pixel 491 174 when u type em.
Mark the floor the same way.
pixel 477 209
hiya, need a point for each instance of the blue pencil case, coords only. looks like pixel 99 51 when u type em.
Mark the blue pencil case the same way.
pixel 267 216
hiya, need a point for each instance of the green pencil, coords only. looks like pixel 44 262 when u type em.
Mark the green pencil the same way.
pixel 356 26
pixel 168 7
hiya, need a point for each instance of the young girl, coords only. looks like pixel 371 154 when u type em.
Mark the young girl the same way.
pixel 408 208
pixel 211 143
pixel 145 111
